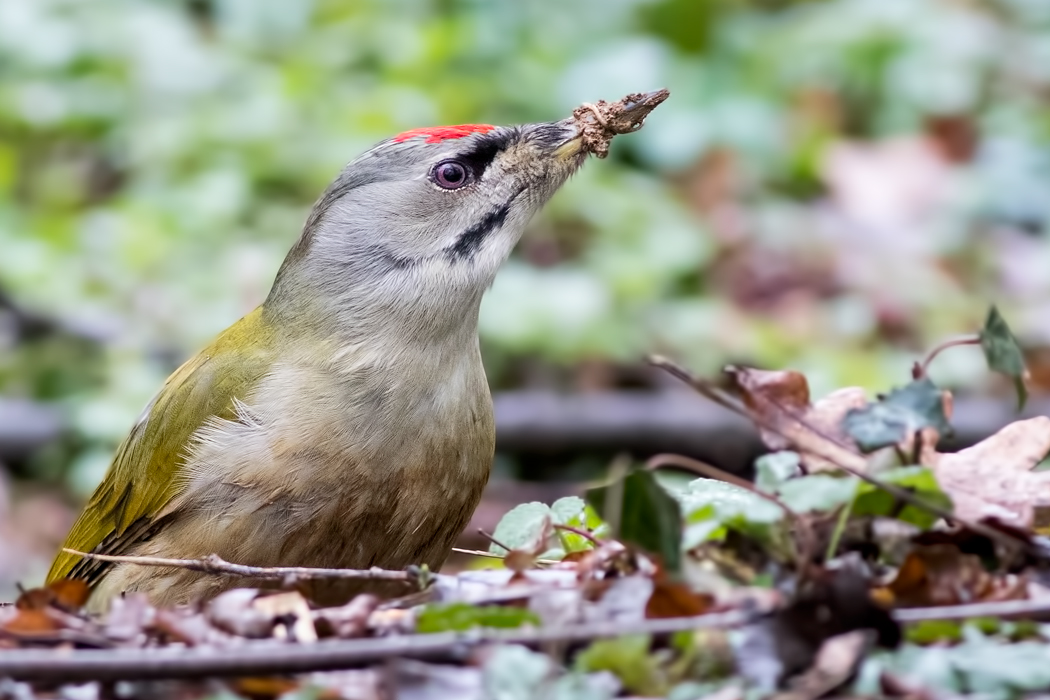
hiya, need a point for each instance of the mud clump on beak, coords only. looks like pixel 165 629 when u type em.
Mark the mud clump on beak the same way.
pixel 598 123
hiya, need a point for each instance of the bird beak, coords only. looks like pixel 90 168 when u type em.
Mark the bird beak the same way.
pixel 592 126
pixel 571 147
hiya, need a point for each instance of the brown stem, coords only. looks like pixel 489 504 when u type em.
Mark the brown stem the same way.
pixel 920 370
pixel 704 387
pixel 493 540
pixel 581 532
pixel 713 472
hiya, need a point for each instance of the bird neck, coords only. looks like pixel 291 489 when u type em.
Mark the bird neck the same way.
pixel 392 320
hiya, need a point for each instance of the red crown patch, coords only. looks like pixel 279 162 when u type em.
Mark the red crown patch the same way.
pixel 437 134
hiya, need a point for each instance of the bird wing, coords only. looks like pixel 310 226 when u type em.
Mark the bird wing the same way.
pixel 144 475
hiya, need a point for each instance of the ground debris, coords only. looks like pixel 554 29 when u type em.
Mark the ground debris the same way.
pixel 601 121
pixel 856 533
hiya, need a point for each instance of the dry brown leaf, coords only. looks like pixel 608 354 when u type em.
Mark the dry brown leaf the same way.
pixel 347 621
pixel 129 617
pixel 291 613
pixel 610 560
pixel 187 627
pixel 49 609
pixel 942 575
pixel 265 688
pixel 835 663
pixel 779 403
pixel 66 594
pixel 30 621
pixel 34 599
pixel 69 594
pixel 674 599
pixel 232 612
pixel 994 478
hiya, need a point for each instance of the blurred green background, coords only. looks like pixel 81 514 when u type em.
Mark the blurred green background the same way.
pixel 833 185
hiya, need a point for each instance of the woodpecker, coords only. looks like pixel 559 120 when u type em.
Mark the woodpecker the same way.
pixel 347 421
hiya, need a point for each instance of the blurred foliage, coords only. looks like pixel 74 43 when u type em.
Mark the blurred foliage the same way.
pixel 833 185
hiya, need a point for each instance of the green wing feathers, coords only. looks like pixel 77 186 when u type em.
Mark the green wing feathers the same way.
pixel 143 477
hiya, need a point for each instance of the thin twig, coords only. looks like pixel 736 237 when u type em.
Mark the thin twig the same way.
pixel 493 540
pixel 1003 609
pixel 921 369
pixel 490 555
pixel 579 531
pixel 705 388
pixel 214 564
pixel 269 659
pixel 713 472
pixel 478 553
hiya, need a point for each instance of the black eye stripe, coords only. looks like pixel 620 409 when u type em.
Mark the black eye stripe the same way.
pixel 484 149
pixel 470 240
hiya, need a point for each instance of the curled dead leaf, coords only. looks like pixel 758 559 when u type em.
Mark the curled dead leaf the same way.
pixel 65 594
pixel 290 613
pixel 994 478
pixel 347 621
pixel 940 574
pixel 69 594
pixel 129 617
pixel 675 599
pixel 779 403
pixel 233 612
pixel 31 621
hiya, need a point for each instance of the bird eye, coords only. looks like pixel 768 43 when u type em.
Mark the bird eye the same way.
pixel 450 174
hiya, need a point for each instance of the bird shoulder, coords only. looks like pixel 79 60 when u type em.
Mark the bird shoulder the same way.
pixel 146 473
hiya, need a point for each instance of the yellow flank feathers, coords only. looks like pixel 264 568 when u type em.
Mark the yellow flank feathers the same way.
pixel 146 473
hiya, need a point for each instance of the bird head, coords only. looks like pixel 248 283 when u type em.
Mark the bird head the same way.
pixel 416 228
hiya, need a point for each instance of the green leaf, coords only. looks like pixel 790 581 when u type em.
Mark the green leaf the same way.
pixel 574 686
pixel 459 617
pixel 521 527
pixel 818 492
pixel 570 510
pixel 933 631
pixel 1003 353
pixel 729 501
pixel 693 690
pixel 306 692
pixel 871 500
pixel 979 666
pixel 629 659
pixel 514 672
pixel 650 517
pixel 574 512
pixel 703 525
pixel 714 507
pixel 897 416
pixel 774 469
